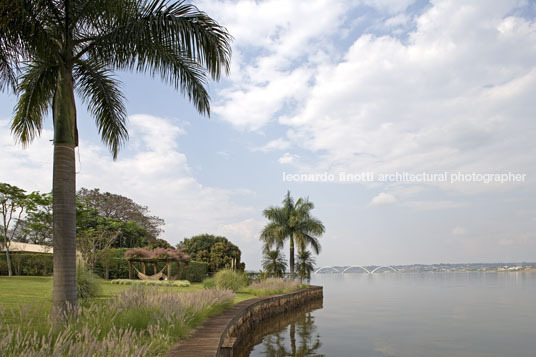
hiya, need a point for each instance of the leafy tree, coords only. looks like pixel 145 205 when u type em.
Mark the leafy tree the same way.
pixel 217 251
pixel 158 243
pixel 94 243
pixel 293 222
pixel 305 264
pixel 122 208
pixel 49 48
pixel 14 202
pixel 106 259
pixel 36 228
pixel 274 263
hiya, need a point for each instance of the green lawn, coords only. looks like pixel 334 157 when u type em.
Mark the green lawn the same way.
pixel 16 291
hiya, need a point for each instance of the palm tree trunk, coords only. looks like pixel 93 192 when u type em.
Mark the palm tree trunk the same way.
pixel 291 257
pixel 64 197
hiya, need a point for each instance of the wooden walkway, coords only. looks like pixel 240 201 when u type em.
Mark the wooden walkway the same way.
pixel 204 341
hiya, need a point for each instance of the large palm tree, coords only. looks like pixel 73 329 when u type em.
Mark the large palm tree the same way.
pixel 274 263
pixel 51 48
pixel 293 222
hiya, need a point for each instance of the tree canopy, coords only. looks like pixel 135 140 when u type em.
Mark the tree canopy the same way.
pixel 217 251
pixel 294 222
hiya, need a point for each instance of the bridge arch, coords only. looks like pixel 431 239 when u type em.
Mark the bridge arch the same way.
pixel 386 267
pixel 356 266
pixel 329 267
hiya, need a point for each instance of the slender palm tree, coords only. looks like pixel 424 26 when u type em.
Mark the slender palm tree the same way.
pixel 305 264
pixel 274 263
pixel 292 221
pixel 51 48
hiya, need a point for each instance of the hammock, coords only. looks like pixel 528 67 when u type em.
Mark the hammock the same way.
pixel 157 276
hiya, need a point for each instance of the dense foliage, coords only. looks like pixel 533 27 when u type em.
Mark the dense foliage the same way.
pixel 28 264
pixel 217 251
pixel 274 263
pixel 294 222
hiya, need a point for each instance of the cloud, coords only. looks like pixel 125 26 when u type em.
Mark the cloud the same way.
pixel 151 171
pixel 383 199
pixel 423 104
pixel 287 158
pixel 245 234
pixel 459 231
pixel 278 43
pixel 274 145
pixel 434 205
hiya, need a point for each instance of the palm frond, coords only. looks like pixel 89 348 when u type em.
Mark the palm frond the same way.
pixel 101 92
pixel 174 39
pixel 304 239
pixel 36 92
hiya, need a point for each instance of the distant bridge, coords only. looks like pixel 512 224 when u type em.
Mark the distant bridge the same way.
pixel 370 270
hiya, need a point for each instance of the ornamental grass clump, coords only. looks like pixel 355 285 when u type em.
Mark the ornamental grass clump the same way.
pixel 139 322
pixel 273 286
pixel 87 284
pixel 230 280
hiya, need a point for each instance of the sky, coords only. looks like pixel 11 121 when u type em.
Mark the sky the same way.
pixel 340 102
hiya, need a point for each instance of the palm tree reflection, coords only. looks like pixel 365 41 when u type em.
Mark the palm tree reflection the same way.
pixel 290 334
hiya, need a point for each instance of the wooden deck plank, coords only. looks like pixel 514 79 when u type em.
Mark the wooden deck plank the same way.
pixel 204 341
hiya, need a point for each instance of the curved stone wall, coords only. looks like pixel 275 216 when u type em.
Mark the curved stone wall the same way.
pixel 260 309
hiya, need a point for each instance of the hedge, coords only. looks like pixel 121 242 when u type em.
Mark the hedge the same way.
pixel 27 263
pixel 41 264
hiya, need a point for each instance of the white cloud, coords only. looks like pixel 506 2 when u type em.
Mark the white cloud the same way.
pixel 287 158
pixel 459 231
pixel 151 171
pixel 277 43
pixel 434 205
pixel 383 199
pixel 277 144
pixel 456 96
pixel 245 234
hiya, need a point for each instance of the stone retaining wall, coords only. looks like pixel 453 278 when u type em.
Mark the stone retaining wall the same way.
pixel 239 326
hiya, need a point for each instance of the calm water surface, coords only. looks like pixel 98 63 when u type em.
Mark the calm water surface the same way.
pixel 409 315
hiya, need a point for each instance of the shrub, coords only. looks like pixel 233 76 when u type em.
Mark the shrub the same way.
pixel 229 280
pixel 37 264
pixel 197 271
pixel 209 283
pixel 273 286
pixel 86 283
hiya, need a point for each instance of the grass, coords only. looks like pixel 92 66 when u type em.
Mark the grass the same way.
pixel 272 286
pixel 140 321
pixel 123 320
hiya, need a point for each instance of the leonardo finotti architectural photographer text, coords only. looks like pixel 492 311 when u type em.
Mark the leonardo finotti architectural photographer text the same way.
pixel 458 177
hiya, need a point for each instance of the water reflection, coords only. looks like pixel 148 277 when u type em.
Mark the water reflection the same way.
pixel 290 334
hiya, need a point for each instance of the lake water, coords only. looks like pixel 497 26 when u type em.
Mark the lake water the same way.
pixel 409 315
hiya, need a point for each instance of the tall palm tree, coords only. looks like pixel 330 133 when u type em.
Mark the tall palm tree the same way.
pixel 274 263
pixel 292 221
pixel 50 48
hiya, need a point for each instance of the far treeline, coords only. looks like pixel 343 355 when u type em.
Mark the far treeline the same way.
pixel 107 225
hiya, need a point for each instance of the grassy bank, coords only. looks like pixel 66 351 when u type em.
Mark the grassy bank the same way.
pixel 123 320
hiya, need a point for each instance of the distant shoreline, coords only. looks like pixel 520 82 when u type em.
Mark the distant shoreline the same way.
pixel 423 268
